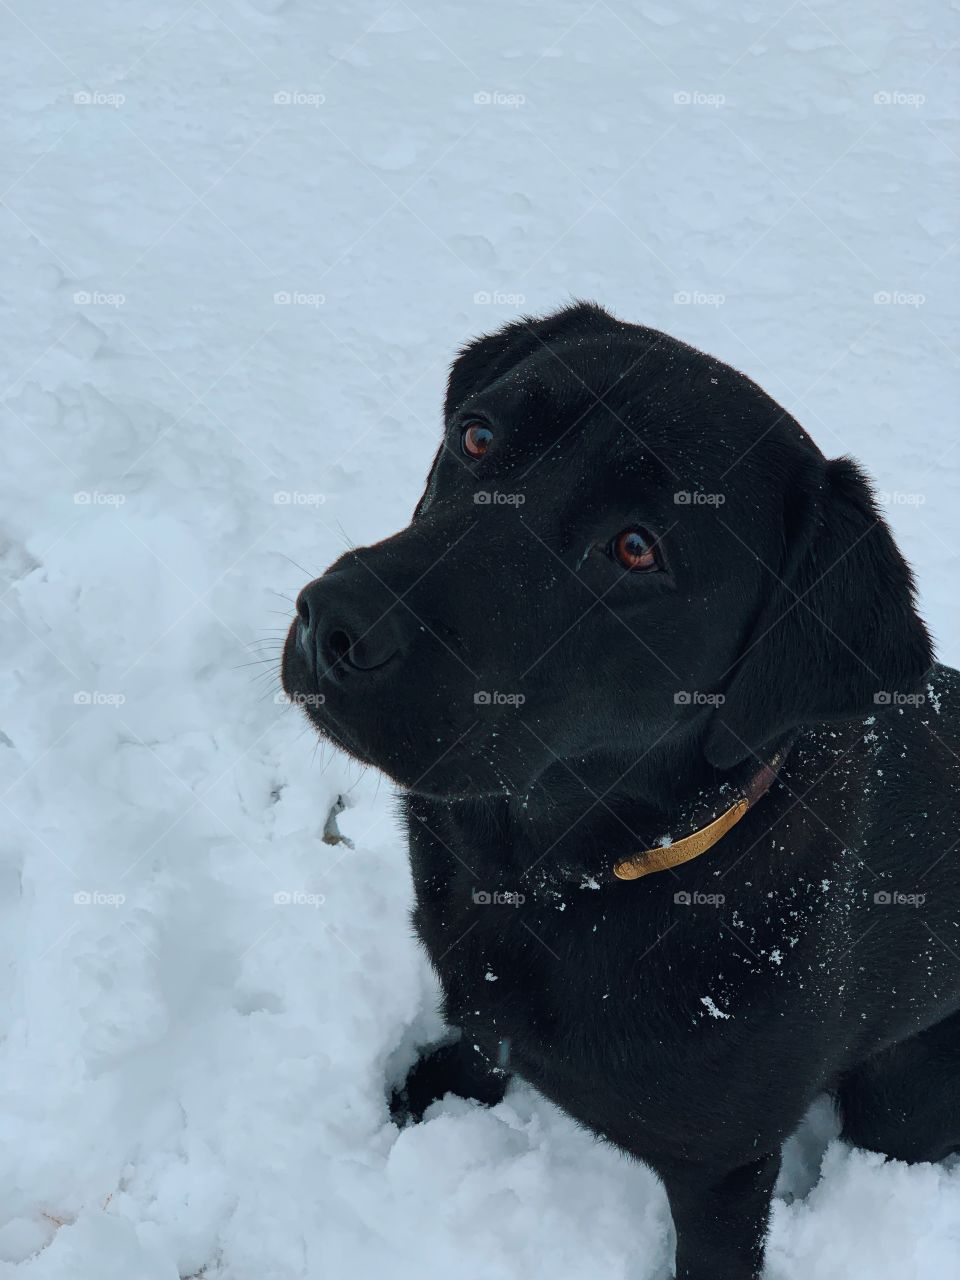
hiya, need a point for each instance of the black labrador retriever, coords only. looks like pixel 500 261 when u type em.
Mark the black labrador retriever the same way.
pixel 680 777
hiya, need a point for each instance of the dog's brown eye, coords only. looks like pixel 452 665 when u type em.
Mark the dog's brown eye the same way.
pixel 635 549
pixel 477 440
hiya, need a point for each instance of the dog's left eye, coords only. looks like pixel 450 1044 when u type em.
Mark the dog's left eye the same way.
pixel 476 439
pixel 635 549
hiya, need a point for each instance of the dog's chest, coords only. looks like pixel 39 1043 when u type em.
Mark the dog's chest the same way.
pixel 511 959
pixel 620 1035
pixel 552 985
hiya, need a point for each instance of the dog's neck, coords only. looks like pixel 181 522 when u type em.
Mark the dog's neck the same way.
pixel 603 816
pixel 583 815
pixel 658 778
pixel 708 817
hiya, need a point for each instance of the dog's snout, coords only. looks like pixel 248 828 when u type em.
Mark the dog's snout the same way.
pixel 339 631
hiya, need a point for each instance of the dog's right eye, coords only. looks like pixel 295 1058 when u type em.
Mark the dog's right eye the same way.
pixel 476 440
pixel 635 549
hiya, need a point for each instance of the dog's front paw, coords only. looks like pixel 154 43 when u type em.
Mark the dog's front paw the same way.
pixel 429 1079
pixel 447 1068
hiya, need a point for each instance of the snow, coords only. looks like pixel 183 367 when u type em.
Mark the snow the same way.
pixel 242 242
pixel 713 1009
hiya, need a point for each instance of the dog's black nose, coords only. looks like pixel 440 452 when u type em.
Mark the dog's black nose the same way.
pixel 336 633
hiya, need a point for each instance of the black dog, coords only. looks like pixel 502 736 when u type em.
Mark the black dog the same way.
pixel 680 780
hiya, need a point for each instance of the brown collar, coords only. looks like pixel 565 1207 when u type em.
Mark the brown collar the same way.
pixel 668 853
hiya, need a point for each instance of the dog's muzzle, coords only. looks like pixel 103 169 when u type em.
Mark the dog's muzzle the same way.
pixel 344 632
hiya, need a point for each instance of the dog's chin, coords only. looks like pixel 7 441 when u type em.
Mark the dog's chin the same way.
pixel 335 734
pixel 464 789
pixel 457 772
pixel 447 779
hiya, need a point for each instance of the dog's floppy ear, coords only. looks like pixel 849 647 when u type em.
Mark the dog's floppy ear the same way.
pixel 839 634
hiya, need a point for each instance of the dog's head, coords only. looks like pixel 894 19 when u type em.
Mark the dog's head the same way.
pixel 621 540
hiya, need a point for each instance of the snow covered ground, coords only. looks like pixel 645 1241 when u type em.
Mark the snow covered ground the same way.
pixel 241 241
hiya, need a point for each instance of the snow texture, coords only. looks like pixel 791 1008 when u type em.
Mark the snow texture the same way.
pixel 241 242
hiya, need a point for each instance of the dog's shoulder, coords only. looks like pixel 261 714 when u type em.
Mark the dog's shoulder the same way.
pixel 923 725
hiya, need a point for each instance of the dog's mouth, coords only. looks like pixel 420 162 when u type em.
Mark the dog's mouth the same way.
pixel 303 690
pixel 391 737
pixel 418 743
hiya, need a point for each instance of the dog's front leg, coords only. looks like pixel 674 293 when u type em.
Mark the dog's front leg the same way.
pixel 457 1066
pixel 721 1218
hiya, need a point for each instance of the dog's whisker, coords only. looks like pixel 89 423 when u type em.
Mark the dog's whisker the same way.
pixel 310 575
pixel 345 537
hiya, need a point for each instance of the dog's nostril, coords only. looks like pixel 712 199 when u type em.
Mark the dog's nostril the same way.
pixel 303 608
pixel 339 643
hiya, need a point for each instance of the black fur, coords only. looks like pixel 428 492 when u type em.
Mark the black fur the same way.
pixel 691 1032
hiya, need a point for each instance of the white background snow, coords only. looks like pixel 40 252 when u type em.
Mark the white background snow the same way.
pixel 193 1074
